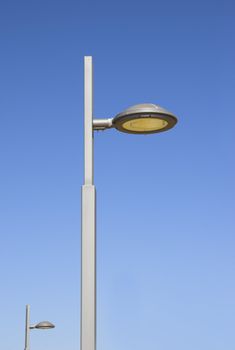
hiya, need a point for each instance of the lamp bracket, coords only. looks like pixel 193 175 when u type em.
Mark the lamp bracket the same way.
pixel 102 124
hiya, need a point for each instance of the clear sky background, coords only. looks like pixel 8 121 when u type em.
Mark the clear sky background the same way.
pixel 165 238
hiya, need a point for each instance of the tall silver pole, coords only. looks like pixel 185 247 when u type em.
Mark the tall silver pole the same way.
pixel 27 329
pixel 88 273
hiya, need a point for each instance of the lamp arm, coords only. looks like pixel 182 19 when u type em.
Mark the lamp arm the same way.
pixel 102 124
pixel 32 326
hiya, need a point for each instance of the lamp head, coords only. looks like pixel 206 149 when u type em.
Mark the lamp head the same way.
pixel 44 325
pixel 144 118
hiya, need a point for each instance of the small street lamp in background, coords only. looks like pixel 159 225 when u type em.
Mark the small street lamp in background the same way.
pixel 40 325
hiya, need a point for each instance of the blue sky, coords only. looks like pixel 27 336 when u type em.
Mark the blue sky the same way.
pixel 165 211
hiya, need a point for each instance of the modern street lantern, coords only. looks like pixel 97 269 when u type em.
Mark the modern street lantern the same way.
pixel 40 325
pixel 145 118
pixel 139 119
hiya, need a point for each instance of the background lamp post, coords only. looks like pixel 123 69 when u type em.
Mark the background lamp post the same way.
pixel 139 119
pixel 40 325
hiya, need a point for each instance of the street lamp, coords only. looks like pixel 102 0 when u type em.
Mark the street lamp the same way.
pixel 40 325
pixel 145 118
pixel 139 119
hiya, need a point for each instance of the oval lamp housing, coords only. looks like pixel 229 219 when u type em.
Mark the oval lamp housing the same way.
pixel 44 325
pixel 144 118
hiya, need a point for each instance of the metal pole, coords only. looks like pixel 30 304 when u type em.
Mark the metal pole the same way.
pixel 88 273
pixel 27 325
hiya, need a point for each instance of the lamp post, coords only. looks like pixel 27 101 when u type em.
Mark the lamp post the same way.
pixel 40 325
pixel 139 119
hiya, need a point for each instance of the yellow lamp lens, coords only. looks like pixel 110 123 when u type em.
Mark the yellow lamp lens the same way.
pixel 145 124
